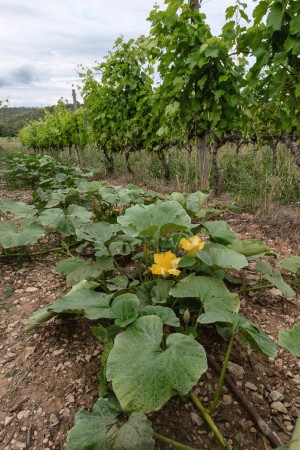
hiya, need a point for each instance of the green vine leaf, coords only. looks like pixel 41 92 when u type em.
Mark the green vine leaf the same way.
pixel 217 256
pixel 137 356
pixel 106 429
pixel 291 339
pixel 18 209
pixel 211 291
pixel 167 315
pixel 97 232
pixel 251 248
pixel 11 236
pixel 40 316
pixel 154 220
pixel 124 309
pixel 220 232
pixel 93 305
pixel 66 223
pixel 292 264
pixel 238 324
pixel 278 281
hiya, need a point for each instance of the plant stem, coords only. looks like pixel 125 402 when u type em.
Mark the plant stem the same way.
pixel 120 268
pixel 146 255
pixel 216 399
pixel 255 288
pixel 67 248
pixel 178 242
pixel 50 250
pixel 208 420
pixel 157 246
pixel 176 444
pixel 195 324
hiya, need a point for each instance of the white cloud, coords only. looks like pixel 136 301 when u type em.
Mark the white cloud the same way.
pixel 42 43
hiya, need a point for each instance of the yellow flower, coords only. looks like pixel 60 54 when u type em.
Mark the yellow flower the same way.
pixel 165 264
pixel 192 245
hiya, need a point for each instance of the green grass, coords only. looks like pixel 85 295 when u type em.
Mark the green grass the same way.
pixel 254 179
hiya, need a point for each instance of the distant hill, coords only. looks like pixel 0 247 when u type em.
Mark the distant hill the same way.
pixel 13 119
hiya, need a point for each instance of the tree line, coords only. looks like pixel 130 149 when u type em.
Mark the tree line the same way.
pixel 183 86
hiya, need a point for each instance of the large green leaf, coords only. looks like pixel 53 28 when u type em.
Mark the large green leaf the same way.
pixel 252 334
pixel 11 236
pixel 295 24
pixel 97 232
pixel 279 282
pixel 251 248
pixel 154 220
pixel 291 339
pixel 18 209
pixel 195 201
pixel 220 231
pixel 166 314
pixel 56 198
pixel 68 265
pixel 145 377
pixel 84 271
pixel 292 264
pixel 275 16
pixel 210 291
pixel 66 223
pixel 93 305
pixel 160 292
pixel 219 256
pixel 124 309
pixel 263 267
pixel 40 316
pixel 106 429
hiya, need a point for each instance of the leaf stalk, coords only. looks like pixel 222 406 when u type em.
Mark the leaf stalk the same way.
pixel 216 399
pixel 168 441
pixel 208 420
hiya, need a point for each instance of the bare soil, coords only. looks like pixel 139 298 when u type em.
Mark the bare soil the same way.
pixel 47 375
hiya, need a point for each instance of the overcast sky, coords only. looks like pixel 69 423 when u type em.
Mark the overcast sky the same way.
pixel 42 42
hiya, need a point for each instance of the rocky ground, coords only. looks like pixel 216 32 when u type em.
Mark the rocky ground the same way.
pixel 48 374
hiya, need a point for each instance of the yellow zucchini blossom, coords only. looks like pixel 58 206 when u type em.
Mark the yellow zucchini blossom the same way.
pixel 165 264
pixel 192 245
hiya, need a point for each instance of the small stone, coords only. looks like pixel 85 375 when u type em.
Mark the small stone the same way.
pixel 28 351
pixel 53 420
pixel 71 399
pixel 275 292
pixel 227 399
pixel 58 352
pixel 197 419
pixel 252 430
pixel 31 289
pixel 236 370
pixel 20 415
pixel 250 386
pixel 59 367
pixel 19 446
pixel 278 406
pixel 8 420
pixel 275 396
pixel 66 412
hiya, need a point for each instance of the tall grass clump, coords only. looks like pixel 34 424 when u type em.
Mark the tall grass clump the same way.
pixel 258 178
